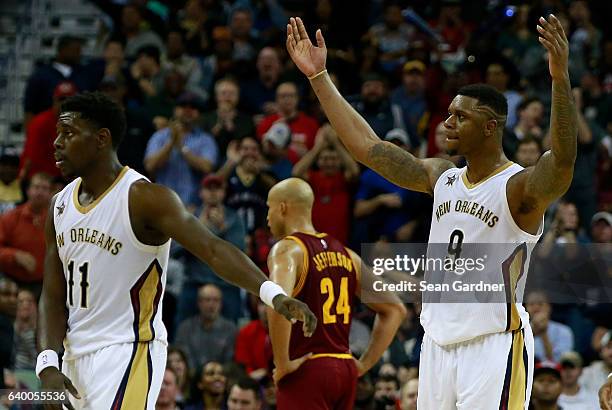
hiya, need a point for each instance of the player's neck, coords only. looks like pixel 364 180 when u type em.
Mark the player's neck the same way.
pixel 483 164
pixel 99 177
pixel 300 224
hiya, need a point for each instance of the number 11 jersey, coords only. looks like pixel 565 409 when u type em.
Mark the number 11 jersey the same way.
pixel 477 217
pixel 114 282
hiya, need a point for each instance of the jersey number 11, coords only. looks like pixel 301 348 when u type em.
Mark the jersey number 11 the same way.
pixel 83 284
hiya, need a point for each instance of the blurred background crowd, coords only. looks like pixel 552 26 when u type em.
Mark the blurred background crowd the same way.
pixel 216 111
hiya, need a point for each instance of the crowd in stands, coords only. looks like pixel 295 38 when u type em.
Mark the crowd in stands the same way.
pixel 216 111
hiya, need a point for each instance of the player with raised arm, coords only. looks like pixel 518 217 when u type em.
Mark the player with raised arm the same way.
pixel 108 239
pixel 474 355
pixel 319 373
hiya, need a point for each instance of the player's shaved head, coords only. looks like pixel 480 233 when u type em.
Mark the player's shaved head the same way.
pixel 293 191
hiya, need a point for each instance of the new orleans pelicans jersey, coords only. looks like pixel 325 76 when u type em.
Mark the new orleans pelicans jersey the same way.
pixel 466 213
pixel 114 283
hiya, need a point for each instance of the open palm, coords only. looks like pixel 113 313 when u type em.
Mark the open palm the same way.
pixel 310 59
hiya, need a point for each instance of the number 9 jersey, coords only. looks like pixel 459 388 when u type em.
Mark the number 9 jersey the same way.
pixel 114 283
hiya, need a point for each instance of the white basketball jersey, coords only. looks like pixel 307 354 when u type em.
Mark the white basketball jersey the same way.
pixel 479 214
pixel 114 283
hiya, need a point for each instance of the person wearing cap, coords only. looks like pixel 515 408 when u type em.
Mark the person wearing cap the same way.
pixel 410 99
pixel 37 155
pixel 275 149
pixel 303 127
pixel 547 386
pixel 574 397
pixel 601 227
pixel 178 155
pixel 596 374
pixel 374 104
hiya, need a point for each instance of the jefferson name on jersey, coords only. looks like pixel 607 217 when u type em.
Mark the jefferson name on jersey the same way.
pixel 92 236
pixel 467 207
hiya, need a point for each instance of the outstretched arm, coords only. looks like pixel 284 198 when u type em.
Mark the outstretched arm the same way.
pixel 390 161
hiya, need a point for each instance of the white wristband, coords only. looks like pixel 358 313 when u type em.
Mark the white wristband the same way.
pixel 610 375
pixel 268 291
pixel 46 358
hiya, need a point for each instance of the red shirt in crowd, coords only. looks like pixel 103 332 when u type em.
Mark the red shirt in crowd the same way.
pixel 331 209
pixel 303 132
pixel 38 148
pixel 22 230
pixel 253 347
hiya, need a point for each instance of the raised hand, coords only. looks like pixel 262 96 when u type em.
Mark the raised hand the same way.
pixel 308 58
pixel 553 38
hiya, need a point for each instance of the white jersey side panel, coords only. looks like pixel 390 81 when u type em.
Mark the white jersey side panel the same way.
pixel 482 215
pixel 114 283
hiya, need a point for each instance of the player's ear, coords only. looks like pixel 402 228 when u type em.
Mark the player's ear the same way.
pixel 490 127
pixel 283 207
pixel 104 138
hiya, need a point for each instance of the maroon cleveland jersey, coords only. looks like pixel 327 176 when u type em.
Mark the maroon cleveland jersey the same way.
pixel 327 284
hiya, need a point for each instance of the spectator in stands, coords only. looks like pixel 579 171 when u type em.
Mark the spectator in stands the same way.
pixel 8 309
pixel 497 76
pixel 374 104
pixel 246 42
pixel 160 106
pixel 211 385
pixel 10 183
pixel 226 123
pixel 207 336
pixel 409 97
pixel 179 363
pixel 528 151
pixel 195 21
pixel 364 398
pixel 392 37
pixel 146 71
pixel 167 399
pixel 112 63
pixel 574 397
pixel 258 94
pixel 586 37
pixel 275 149
pixel 409 395
pixel 530 113
pixel 226 223
pixel 137 32
pixel 594 375
pixel 551 338
pixel 331 183
pixel 139 126
pixel 65 67
pixel 601 227
pixel 38 149
pixel 178 155
pixel 22 236
pixel 25 331
pixel 386 392
pixel 244 395
pixel 253 347
pixel 176 59
pixel 248 184
pixel 547 386
pixel 514 41
pixel 219 63
pixel 303 127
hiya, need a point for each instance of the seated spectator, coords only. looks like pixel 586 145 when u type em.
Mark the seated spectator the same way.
pixel 176 59
pixel 364 398
pixel 392 37
pixel 146 72
pixel 244 395
pixel 530 116
pixel 208 329
pixel 22 236
pixel 167 399
pixel 160 106
pixel 226 123
pixel 528 151
pixel 258 94
pixel 303 127
pixel 178 155
pixel 547 386
pixel 374 104
pixel 409 394
pixel 25 331
pixel 210 385
pixel 196 23
pixel 10 183
pixel 409 97
pixel 498 76
pixel 551 339
pixel 574 397
pixel 8 309
pixel 275 149
pixel 112 63
pixel 219 63
pixel 596 374
pixel 246 42
pixel 386 392
pixel 137 32
pixel 38 149
pixel 226 223
pixel 253 346
pixel 601 227
pixel 330 183
pixel 178 362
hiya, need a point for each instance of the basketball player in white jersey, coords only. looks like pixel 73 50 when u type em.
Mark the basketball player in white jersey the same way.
pixel 108 238
pixel 474 356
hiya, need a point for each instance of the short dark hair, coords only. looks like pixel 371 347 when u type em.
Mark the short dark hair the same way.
pixel 528 139
pixel 388 378
pixel 247 383
pixel 101 111
pixel 150 51
pixel 525 103
pixel 488 96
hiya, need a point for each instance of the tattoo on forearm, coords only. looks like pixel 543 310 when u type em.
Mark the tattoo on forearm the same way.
pixel 398 166
pixel 563 122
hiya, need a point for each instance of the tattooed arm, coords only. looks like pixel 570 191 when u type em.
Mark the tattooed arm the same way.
pixel 390 161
